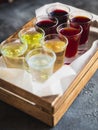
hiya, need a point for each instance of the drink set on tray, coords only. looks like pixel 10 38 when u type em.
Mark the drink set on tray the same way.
pixel 43 48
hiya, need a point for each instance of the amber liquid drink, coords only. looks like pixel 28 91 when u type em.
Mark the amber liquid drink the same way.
pixel 58 45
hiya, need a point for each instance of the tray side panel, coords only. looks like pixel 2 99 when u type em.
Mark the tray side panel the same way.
pixel 29 96
pixel 25 106
pixel 66 104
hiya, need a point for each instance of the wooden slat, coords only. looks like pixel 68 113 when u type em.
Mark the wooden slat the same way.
pixel 72 96
pixel 25 106
pixel 27 95
pixel 75 82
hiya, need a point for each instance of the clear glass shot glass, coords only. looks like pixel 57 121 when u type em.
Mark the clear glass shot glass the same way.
pixel 12 51
pixel 31 36
pixel 47 23
pixel 58 44
pixel 60 11
pixel 73 35
pixel 84 19
pixel 41 63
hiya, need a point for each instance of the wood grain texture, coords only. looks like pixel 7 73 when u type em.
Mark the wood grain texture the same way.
pixel 25 106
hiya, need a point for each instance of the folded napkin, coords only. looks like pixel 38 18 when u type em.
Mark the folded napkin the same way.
pixel 58 82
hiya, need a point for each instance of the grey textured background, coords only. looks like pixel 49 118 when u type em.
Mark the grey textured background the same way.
pixel 83 113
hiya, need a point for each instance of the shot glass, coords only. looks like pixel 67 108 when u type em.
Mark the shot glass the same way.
pixel 41 62
pixel 60 11
pixel 84 19
pixel 31 36
pixel 47 23
pixel 73 35
pixel 12 51
pixel 58 44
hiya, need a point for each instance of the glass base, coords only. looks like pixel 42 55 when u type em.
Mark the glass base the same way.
pixel 68 61
pixel 82 48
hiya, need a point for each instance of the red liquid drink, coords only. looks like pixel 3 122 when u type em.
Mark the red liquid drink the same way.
pixel 85 23
pixel 61 15
pixel 73 35
pixel 47 24
pixel 60 11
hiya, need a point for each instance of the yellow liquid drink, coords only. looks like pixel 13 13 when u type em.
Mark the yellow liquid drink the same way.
pixel 32 39
pixel 12 50
pixel 12 53
pixel 58 47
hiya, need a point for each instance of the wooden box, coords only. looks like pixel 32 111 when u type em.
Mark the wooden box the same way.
pixel 49 109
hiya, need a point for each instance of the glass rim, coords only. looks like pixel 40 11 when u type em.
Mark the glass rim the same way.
pixel 9 40
pixel 47 17
pixel 82 13
pixel 58 35
pixel 81 29
pixel 58 6
pixel 42 49
pixel 12 41
pixel 28 29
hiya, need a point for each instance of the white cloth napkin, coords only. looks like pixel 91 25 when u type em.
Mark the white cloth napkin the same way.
pixel 58 82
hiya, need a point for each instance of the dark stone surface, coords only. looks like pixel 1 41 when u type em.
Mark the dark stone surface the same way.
pixel 83 113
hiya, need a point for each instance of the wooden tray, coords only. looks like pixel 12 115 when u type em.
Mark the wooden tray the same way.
pixel 49 109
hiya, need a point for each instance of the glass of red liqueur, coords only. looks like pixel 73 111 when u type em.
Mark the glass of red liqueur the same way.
pixel 47 23
pixel 84 19
pixel 73 35
pixel 60 11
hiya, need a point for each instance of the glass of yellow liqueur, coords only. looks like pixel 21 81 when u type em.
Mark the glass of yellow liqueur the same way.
pixel 32 37
pixel 12 51
pixel 58 44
